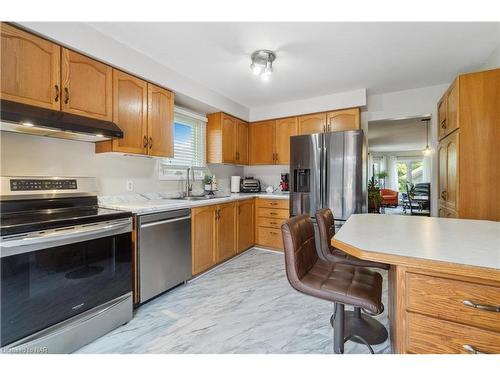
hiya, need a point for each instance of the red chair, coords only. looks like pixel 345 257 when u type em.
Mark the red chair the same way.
pixel 389 197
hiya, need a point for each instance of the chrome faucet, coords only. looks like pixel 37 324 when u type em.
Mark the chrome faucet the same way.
pixel 189 182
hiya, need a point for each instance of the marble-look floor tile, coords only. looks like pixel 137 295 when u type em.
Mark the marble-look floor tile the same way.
pixel 244 306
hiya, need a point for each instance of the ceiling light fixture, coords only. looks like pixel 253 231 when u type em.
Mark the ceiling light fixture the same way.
pixel 427 150
pixel 262 63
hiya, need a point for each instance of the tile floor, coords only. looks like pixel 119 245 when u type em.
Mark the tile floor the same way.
pixel 244 306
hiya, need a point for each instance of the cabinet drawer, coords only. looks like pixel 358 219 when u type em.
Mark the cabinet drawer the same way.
pixel 269 222
pixel 428 335
pixel 269 237
pixel 273 203
pixel 444 298
pixel 272 213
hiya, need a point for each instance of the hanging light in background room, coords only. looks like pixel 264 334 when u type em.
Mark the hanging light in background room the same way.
pixel 262 63
pixel 427 150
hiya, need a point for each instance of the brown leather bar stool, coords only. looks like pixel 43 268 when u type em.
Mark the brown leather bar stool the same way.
pixel 336 282
pixel 372 330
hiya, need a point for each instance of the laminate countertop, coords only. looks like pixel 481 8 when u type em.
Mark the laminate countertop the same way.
pixel 141 205
pixel 404 240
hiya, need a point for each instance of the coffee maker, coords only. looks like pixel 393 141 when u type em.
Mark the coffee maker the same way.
pixel 284 185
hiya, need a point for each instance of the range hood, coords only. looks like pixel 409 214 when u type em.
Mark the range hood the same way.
pixel 28 119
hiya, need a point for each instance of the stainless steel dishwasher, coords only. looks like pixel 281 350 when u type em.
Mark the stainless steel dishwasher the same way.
pixel 164 251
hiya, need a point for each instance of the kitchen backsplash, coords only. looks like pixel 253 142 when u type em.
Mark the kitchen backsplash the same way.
pixel 41 156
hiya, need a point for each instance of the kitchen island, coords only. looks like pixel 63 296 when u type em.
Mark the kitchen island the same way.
pixel 444 281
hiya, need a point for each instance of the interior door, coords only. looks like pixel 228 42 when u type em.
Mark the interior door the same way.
pixel 242 142
pixel 30 69
pixel 226 230
pixel 160 122
pixel 130 101
pixel 262 142
pixel 285 128
pixel 310 124
pixel 87 86
pixel 229 139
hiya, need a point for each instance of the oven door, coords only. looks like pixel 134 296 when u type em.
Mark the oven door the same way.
pixel 50 276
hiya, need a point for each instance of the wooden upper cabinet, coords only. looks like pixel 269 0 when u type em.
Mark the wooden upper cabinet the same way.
pixel 242 144
pixel 229 137
pixel 130 108
pixel 442 117
pixel 448 108
pixel 345 119
pixel 226 231
pixel 310 124
pixel 87 86
pixel 203 238
pixel 160 122
pixel 284 129
pixel 261 136
pixel 30 69
pixel 245 223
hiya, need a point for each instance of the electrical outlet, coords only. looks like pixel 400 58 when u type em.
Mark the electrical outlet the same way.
pixel 130 185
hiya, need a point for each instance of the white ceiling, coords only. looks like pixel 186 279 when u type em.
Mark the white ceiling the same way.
pixel 397 135
pixel 313 59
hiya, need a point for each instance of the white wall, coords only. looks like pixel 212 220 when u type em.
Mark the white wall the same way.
pixel 348 99
pixel 409 103
pixel 269 175
pixel 28 155
pixel 493 61
pixel 88 40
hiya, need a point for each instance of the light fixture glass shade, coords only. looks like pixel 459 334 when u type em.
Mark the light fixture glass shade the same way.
pixel 262 63
pixel 256 69
pixel 427 151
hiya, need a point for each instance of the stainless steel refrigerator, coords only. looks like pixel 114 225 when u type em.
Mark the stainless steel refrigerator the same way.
pixel 328 170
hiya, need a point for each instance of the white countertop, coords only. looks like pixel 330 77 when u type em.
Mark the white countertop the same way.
pixel 461 241
pixel 145 206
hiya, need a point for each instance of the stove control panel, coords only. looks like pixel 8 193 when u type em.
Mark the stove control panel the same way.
pixel 40 184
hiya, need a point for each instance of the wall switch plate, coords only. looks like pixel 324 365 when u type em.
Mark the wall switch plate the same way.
pixel 130 185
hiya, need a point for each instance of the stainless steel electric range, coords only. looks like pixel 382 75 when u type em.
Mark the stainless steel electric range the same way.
pixel 66 265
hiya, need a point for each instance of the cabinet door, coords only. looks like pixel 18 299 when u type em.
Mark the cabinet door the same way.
pixel 229 139
pixel 203 238
pixel 226 231
pixel 30 69
pixel 245 224
pixel 242 150
pixel 284 129
pixel 310 124
pixel 87 86
pixel 452 171
pixel 130 102
pixel 442 117
pixel 160 122
pixel 442 182
pixel 262 142
pixel 346 119
pixel 452 108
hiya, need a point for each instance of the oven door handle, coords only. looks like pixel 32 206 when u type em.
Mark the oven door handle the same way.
pixel 61 237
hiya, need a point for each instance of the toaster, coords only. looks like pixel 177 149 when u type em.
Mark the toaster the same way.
pixel 250 185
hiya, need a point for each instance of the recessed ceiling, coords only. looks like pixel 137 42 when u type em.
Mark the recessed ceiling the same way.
pixel 397 135
pixel 313 59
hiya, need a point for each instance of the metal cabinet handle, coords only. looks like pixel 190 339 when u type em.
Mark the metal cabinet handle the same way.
pixel 479 306
pixel 444 194
pixel 145 142
pixel 56 99
pixel 150 143
pixel 273 213
pixel 273 203
pixel 66 93
pixel 443 124
pixel 276 157
pixel 273 233
pixel 161 222
pixel 471 349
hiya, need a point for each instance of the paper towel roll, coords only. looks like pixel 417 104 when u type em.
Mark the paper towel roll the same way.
pixel 235 184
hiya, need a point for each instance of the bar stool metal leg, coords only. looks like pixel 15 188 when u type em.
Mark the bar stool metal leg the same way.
pixel 338 328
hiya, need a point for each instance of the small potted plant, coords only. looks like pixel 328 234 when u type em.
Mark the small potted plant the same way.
pixel 381 176
pixel 374 197
pixel 207 181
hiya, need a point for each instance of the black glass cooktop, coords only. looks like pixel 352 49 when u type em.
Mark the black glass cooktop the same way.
pixel 16 222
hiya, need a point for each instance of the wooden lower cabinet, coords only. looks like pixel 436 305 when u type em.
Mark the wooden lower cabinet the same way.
pixel 203 238
pixel 270 214
pixel 432 312
pixel 219 232
pixel 245 224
